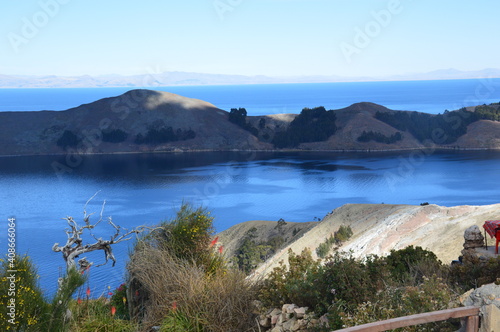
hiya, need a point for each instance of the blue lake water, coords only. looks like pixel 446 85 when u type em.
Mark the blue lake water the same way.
pixel 236 187
pixel 260 99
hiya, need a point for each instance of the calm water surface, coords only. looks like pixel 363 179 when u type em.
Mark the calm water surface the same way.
pixel 236 187
pixel 261 99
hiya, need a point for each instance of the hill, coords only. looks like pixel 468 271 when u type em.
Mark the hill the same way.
pixel 153 121
pixel 379 228
pixel 137 121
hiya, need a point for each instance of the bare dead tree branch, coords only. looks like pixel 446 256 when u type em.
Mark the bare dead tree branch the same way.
pixel 74 246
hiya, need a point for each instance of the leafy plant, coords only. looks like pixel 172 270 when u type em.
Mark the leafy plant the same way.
pixel 23 288
pixel 119 301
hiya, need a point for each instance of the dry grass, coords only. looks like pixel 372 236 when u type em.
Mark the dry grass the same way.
pixel 220 302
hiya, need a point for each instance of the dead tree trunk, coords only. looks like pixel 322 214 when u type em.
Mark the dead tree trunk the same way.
pixel 74 246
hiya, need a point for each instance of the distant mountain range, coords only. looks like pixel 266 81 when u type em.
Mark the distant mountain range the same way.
pixel 187 78
pixel 154 121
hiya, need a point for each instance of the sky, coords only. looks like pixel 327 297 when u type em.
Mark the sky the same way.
pixel 247 37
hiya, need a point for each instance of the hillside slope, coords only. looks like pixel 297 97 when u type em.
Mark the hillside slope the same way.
pixel 135 112
pixel 379 228
pixel 155 121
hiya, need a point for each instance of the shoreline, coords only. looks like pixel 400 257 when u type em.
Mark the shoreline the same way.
pixel 179 151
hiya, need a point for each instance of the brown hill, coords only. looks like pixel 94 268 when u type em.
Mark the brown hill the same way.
pixel 379 228
pixel 134 112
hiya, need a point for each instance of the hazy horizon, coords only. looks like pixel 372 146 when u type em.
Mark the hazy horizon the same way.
pixel 274 38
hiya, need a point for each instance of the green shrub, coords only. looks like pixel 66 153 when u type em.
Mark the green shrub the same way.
pixel 119 301
pixel 60 303
pixel 250 253
pixel 293 284
pixel 95 315
pixel 311 125
pixel 379 137
pixel 188 236
pixel 412 263
pixel 431 295
pixel 68 139
pixel 177 321
pixel 220 302
pixel 474 272
pixel 343 234
pixel 324 248
pixel 177 276
pixel 30 305
pixel 114 135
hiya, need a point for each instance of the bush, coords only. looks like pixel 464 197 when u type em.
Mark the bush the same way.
pixel 114 135
pixel 180 291
pixel 30 304
pixel 119 301
pixel 61 301
pixel 295 284
pixel 412 263
pixel 474 272
pixel 68 139
pixel 324 248
pixel 379 137
pixel 343 234
pixel 250 253
pixel 164 135
pixel 311 125
pixel 96 315
pixel 188 236
pixel 177 276
pixel 431 295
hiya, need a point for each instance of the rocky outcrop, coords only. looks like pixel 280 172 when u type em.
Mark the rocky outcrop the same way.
pixel 473 239
pixel 290 318
pixel 486 297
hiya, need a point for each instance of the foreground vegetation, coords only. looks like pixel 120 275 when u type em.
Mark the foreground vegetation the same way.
pixel 179 280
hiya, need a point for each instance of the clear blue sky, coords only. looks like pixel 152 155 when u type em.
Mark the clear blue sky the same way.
pixel 249 37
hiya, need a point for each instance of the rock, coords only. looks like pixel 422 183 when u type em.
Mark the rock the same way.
pixel 491 319
pixel 473 238
pixel 288 308
pixel 264 321
pixel 274 312
pixel 275 316
pixel 288 325
pixel 484 295
pixel 300 312
pixel 277 329
pixel 281 319
pixel 488 298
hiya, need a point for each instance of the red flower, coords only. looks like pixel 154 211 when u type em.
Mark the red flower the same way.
pixel 88 291
pixel 109 293
pixel 221 248
pixel 79 301
pixel 214 241
pixel 113 310
pixel 174 306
